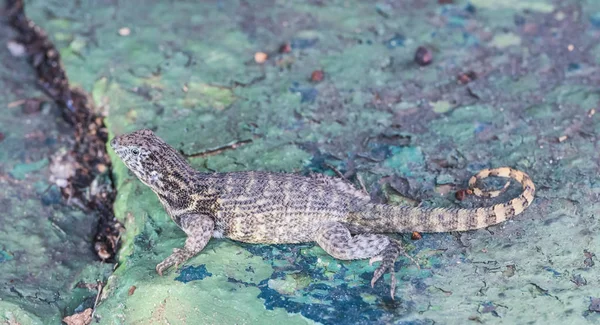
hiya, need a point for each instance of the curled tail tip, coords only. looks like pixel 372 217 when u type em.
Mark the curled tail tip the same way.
pixel 489 194
pixel 501 212
pixel 507 172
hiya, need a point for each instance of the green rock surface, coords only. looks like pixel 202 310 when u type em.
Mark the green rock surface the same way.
pixel 47 261
pixel 511 83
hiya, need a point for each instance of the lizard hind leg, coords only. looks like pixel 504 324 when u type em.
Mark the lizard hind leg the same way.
pixel 337 241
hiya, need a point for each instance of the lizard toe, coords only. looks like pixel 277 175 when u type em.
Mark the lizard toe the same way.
pixel 162 266
pixel 178 257
pixel 388 258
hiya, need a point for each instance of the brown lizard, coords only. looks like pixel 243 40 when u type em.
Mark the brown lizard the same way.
pixel 278 208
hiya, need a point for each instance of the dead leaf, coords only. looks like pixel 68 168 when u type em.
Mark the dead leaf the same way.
pixel 83 318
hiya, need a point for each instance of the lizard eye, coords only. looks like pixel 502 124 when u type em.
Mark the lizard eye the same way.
pixel 135 151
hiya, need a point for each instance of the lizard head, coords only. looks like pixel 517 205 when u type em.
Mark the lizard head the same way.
pixel 148 157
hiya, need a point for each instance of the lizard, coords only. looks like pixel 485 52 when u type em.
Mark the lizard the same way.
pixel 289 208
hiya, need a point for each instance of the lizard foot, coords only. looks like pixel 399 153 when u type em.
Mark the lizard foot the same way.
pixel 387 258
pixel 179 256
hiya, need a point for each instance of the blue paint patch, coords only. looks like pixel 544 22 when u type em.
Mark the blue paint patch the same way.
pixel 481 127
pixel 470 39
pixel 573 67
pixel 456 17
pixel 331 301
pixel 303 43
pixel 396 41
pixel 553 271
pixel 50 141
pixel 475 167
pixel 52 196
pixel 318 161
pixel 470 8
pixel 345 305
pixel 456 21
pixel 379 151
pixel 595 20
pixel 519 20
pixel 192 273
pixel 5 257
pixel 488 307
pixel 302 263
pixel 307 94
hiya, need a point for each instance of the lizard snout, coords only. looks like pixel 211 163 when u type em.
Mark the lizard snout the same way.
pixel 114 143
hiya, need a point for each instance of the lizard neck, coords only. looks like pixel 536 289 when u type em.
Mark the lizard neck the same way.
pixel 173 179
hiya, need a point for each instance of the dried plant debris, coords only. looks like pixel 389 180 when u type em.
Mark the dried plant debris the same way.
pixel 82 318
pixel 87 163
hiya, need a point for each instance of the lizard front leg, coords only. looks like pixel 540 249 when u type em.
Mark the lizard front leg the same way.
pixel 337 241
pixel 199 229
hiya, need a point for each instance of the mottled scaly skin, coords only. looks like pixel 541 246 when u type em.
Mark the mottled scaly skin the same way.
pixel 263 207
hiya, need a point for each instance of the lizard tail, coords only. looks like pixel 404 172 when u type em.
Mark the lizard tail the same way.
pixel 390 218
pixel 485 173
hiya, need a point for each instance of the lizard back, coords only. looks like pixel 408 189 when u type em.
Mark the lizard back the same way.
pixel 259 207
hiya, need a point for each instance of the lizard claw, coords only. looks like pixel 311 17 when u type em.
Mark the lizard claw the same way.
pixel 387 265
pixel 179 256
pixel 388 258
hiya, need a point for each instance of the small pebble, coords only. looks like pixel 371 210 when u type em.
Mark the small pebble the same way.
pixel 384 10
pixel 260 57
pixel 317 76
pixel 62 183
pixel 509 271
pixel 462 194
pixel 101 251
pixel 589 258
pixel 578 280
pixel 125 31
pixel 396 41
pixel 285 48
pixel 16 49
pixel 101 168
pixel 594 305
pixel 423 56
pixel 32 106
pixel 562 138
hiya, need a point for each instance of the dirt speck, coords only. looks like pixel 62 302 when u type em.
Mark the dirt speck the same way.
pixel 125 31
pixel 317 76
pixel 32 106
pixel 423 56
pixel 465 78
pixel 589 258
pixel 285 48
pixel 260 57
pixel 462 194
pixel 594 305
